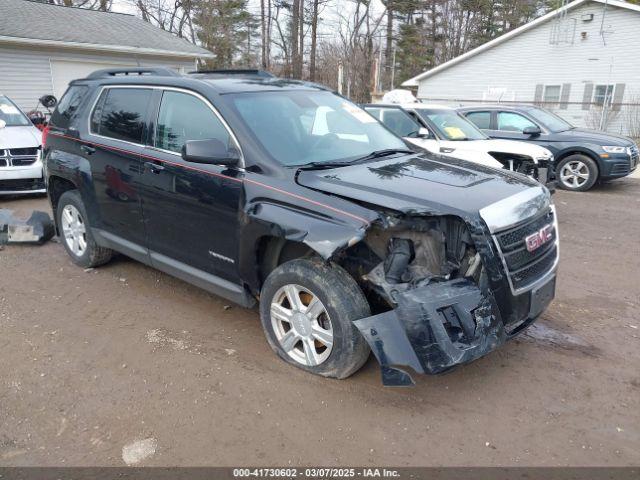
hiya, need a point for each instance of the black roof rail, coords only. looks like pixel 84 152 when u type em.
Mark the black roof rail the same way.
pixel 131 71
pixel 234 72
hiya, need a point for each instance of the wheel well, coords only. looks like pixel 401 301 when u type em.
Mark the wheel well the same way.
pixel 57 186
pixel 274 251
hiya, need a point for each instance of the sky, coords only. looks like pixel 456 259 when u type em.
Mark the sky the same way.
pixel 329 16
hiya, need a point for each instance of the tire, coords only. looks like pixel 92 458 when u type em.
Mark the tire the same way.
pixel 342 301
pixel 571 171
pixel 74 236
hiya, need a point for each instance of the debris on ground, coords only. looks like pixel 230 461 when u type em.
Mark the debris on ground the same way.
pixel 37 229
pixel 139 450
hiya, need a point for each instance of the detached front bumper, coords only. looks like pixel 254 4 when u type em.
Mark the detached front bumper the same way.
pixel 439 326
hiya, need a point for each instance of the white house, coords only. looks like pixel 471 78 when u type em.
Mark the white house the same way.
pixel 43 47
pixel 573 61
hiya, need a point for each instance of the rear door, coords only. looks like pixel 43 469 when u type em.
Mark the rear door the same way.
pixel 117 126
pixel 191 210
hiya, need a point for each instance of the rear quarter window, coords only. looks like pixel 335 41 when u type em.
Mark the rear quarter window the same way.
pixel 120 113
pixel 67 110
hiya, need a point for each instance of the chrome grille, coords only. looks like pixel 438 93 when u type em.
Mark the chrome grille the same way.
pixel 524 268
pixel 18 157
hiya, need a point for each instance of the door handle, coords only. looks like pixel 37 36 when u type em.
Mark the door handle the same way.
pixel 87 149
pixel 154 167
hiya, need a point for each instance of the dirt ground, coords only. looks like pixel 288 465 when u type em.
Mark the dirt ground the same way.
pixel 126 364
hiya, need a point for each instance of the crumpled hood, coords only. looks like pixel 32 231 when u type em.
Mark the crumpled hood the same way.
pixel 20 137
pixel 513 146
pixel 431 184
pixel 594 136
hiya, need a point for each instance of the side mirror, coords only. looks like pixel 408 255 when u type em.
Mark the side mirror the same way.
pixel 2 124
pixel 48 101
pixel 210 151
pixel 424 133
pixel 533 131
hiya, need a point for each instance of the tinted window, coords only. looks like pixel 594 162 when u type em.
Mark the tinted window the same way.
pixel 481 120
pixel 121 113
pixel 67 109
pixel 184 117
pixel 513 122
pixel 396 120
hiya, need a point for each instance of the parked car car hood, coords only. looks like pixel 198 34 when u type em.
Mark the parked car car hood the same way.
pixel 594 136
pixel 486 146
pixel 420 183
pixel 20 137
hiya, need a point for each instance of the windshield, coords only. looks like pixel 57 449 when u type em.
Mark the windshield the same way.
pixel 11 115
pixel 449 125
pixel 550 120
pixel 301 127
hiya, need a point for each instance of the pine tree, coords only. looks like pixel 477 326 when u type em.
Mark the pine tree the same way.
pixel 223 28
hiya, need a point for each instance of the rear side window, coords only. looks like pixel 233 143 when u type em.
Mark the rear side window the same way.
pixel 482 120
pixel 67 110
pixel 183 117
pixel 120 113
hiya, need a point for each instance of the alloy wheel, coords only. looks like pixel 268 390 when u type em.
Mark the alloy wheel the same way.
pixel 574 174
pixel 302 325
pixel 74 230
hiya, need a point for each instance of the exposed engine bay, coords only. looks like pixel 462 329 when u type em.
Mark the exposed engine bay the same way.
pixel 433 308
pixel 412 252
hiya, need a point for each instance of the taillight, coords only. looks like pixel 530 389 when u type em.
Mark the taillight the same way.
pixel 45 133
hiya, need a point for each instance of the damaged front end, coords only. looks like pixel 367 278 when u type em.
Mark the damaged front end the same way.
pixel 432 296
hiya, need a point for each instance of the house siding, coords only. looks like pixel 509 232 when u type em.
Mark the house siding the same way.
pixel 25 73
pixel 519 68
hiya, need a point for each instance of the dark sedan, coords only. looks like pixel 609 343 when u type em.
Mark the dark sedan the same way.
pixel 583 157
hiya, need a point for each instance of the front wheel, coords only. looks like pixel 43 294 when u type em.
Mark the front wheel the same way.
pixel 307 308
pixel 577 173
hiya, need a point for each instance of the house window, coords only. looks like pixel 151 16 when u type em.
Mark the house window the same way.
pixel 603 94
pixel 552 93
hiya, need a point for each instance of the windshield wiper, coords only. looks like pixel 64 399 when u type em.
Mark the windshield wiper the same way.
pixel 343 163
pixel 382 153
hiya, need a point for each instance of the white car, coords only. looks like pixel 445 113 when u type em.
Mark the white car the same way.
pixel 20 152
pixel 440 129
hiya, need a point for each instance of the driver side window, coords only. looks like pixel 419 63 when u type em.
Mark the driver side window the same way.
pixel 513 122
pixel 183 117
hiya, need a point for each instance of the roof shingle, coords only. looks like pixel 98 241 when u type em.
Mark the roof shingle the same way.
pixel 28 20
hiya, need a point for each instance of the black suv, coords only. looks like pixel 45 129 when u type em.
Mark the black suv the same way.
pixel 280 192
pixel 583 157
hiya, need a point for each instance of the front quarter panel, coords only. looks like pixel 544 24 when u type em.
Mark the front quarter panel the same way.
pixel 282 209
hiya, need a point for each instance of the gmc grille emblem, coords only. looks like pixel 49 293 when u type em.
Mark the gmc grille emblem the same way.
pixel 539 238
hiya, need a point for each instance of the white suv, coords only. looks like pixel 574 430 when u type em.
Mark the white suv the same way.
pixel 440 129
pixel 20 152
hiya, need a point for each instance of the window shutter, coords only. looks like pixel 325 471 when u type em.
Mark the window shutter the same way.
pixel 538 96
pixel 588 95
pixel 564 96
pixel 618 96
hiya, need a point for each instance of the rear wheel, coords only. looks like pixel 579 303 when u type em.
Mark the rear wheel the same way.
pixel 577 173
pixel 75 232
pixel 307 308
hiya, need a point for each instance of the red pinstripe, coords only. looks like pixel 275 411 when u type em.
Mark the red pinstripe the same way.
pixel 196 169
